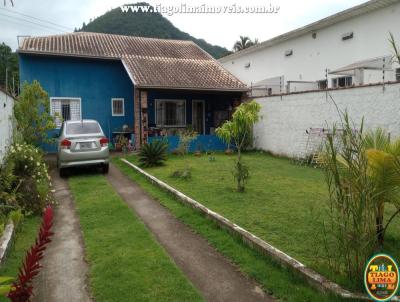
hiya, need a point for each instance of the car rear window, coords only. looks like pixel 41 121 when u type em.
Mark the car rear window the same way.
pixel 82 128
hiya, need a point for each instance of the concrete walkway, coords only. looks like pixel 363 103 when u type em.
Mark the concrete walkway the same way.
pixel 215 277
pixel 63 276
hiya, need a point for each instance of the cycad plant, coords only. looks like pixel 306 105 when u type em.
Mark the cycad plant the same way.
pixel 153 154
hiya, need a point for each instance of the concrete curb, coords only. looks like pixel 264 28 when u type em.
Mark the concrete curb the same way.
pixel 6 240
pixel 313 278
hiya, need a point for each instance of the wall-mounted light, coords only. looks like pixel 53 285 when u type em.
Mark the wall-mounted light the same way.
pixel 247 65
pixel 288 52
pixel 314 35
pixel 347 36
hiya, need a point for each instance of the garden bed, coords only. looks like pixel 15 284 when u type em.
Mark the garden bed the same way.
pixel 283 204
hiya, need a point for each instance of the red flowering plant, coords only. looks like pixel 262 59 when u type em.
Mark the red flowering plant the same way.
pixel 21 289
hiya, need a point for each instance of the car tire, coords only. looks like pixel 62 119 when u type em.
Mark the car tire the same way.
pixel 62 172
pixel 105 168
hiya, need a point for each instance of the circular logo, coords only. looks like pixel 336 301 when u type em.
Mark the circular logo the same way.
pixel 381 277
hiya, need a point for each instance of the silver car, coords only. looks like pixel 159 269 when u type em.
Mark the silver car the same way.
pixel 82 143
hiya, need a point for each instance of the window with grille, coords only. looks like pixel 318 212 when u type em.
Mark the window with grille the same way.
pixel 65 109
pixel 171 113
pixel 117 107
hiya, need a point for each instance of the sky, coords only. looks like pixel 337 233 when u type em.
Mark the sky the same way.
pixel 26 17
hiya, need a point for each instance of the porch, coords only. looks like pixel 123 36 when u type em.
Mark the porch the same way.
pixel 164 114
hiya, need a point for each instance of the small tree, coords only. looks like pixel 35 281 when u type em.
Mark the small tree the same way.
pixel 237 131
pixel 185 138
pixel 32 112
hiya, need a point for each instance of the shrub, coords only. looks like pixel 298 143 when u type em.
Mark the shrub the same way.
pixel 153 154
pixel 16 217
pixel 8 189
pixel 31 182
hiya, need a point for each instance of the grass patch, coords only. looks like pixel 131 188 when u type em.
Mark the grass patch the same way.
pixel 125 260
pixel 284 204
pixel 275 280
pixel 24 238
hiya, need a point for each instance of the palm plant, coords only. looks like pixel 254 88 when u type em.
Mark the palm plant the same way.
pixel 153 154
pixel 242 43
pixel 384 170
pixel 396 50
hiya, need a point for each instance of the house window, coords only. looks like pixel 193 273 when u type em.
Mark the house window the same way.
pixel 397 74
pixel 347 36
pixel 117 106
pixel 342 82
pixel 323 84
pixel 171 113
pixel 65 109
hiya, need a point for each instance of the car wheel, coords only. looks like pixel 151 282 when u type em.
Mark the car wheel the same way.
pixel 105 168
pixel 63 172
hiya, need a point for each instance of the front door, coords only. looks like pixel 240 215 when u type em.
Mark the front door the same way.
pixel 198 118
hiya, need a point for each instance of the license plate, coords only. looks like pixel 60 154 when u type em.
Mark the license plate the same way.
pixel 85 145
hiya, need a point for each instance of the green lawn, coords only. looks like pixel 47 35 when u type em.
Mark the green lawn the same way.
pixel 274 279
pixel 284 204
pixel 126 263
pixel 25 237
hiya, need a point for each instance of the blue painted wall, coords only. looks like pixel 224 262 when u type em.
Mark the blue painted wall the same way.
pixel 95 81
pixel 202 143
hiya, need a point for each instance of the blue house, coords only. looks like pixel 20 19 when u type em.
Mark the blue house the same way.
pixel 140 87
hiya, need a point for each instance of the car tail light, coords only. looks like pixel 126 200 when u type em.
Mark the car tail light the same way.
pixel 104 142
pixel 65 144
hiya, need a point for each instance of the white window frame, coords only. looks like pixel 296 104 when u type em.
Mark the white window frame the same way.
pixel 123 107
pixel 65 98
pixel 170 101
pixel 337 82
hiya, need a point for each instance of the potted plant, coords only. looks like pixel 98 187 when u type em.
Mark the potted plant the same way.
pixel 121 143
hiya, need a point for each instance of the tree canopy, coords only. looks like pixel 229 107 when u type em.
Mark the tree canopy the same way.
pixel 9 70
pixel 152 25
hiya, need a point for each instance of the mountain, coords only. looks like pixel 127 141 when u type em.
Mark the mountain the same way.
pixel 152 25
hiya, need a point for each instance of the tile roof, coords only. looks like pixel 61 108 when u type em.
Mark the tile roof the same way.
pixel 156 63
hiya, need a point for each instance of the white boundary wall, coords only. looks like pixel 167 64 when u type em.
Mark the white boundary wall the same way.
pixel 286 118
pixel 6 122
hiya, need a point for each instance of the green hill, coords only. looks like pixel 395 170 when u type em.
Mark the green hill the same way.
pixel 152 25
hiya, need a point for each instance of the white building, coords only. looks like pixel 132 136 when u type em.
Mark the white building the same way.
pixel 6 122
pixel 345 49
